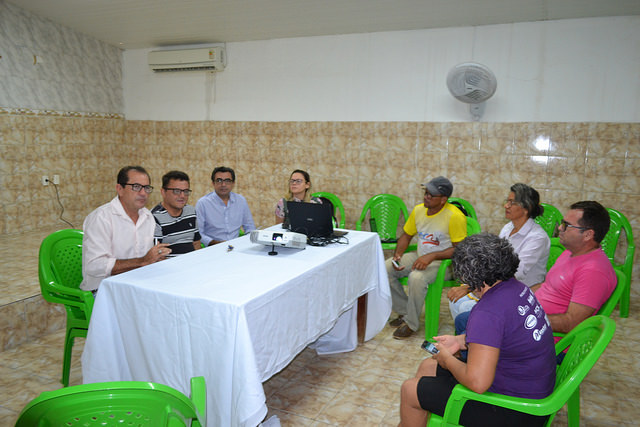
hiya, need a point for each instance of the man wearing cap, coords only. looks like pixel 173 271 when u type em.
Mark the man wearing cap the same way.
pixel 439 227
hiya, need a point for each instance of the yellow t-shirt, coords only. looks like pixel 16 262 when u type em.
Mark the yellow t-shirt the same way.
pixel 436 232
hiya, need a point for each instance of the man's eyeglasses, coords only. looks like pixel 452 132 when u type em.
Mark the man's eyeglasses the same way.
pixel 296 181
pixel 508 203
pixel 137 187
pixel 177 191
pixel 427 194
pixel 564 225
pixel 225 180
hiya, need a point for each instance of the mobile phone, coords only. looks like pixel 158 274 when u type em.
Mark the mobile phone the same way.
pixel 395 263
pixel 430 347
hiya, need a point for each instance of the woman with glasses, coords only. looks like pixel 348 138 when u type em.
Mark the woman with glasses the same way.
pixel 509 341
pixel 298 190
pixel 530 242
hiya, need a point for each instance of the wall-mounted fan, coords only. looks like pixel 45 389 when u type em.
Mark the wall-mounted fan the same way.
pixel 473 84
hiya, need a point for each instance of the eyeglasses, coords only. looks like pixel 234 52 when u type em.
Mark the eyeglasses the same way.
pixel 296 181
pixel 508 203
pixel 177 191
pixel 427 194
pixel 564 225
pixel 137 187
pixel 225 180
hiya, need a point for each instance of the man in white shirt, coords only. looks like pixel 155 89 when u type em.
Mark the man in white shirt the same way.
pixel 118 236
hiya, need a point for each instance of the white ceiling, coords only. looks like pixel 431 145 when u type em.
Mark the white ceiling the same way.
pixel 131 24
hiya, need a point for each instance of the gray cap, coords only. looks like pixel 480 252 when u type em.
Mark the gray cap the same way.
pixel 439 186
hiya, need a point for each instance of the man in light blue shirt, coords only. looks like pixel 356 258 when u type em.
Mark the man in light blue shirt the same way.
pixel 222 212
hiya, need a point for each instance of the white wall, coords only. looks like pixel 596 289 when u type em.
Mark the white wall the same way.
pixel 73 72
pixel 570 70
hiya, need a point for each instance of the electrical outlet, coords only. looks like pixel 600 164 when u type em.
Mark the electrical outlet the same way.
pixel 56 179
pixel 45 180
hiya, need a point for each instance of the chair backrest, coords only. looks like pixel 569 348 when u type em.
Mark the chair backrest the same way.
pixel 610 304
pixel 338 207
pixel 384 215
pixel 466 207
pixel 117 403
pixel 60 272
pixel 611 240
pixel 550 219
pixel 586 342
pixel 555 250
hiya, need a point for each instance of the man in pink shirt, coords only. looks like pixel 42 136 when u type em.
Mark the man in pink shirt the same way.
pixel 582 278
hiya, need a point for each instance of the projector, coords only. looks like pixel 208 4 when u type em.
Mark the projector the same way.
pixel 285 239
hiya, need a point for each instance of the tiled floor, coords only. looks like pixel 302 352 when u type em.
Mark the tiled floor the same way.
pixel 360 388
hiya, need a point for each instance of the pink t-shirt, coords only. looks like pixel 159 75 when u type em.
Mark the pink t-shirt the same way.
pixel 586 279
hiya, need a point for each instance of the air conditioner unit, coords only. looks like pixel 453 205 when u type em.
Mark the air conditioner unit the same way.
pixel 208 58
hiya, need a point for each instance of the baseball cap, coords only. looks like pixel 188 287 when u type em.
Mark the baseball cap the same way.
pixel 439 186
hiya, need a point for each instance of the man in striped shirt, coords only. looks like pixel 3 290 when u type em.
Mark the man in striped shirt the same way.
pixel 176 222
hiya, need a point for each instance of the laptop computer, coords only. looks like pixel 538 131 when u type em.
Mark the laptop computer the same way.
pixel 312 219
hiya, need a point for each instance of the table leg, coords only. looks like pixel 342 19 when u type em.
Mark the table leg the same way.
pixel 362 317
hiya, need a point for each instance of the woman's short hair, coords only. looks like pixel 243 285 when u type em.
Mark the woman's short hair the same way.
pixel 528 198
pixel 484 259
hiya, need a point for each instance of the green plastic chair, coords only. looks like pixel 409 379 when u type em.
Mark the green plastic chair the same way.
pixel 384 216
pixel 434 292
pixel 337 206
pixel 555 250
pixel 464 206
pixel 586 342
pixel 60 274
pixel 124 403
pixel 610 244
pixel 550 219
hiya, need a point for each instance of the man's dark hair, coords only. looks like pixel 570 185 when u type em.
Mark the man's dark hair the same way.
pixel 484 259
pixel 123 174
pixel 529 199
pixel 594 217
pixel 223 169
pixel 177 175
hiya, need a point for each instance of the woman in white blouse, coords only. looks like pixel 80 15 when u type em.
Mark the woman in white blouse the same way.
pixel 528 239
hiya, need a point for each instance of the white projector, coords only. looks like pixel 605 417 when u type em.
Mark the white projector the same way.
pixel 285 239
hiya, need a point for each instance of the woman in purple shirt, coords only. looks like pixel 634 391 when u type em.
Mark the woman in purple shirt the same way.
pixel 509 342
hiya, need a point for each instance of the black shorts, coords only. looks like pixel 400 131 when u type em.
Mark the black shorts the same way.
pixel 434 392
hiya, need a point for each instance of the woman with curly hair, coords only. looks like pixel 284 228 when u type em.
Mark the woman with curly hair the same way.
pixel 509 342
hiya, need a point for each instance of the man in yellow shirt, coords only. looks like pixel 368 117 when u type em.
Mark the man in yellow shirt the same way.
pixel 439 226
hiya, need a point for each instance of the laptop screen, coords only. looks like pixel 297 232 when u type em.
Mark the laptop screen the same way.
pixel 312 219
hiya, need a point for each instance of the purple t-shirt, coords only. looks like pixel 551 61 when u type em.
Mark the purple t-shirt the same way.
pixel 509 318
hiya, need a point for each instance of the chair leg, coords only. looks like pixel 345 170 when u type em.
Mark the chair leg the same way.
pixel 573 409
pixel 625 300
pixel 66 360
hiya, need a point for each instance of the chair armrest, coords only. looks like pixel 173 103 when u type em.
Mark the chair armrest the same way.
pixel 461 394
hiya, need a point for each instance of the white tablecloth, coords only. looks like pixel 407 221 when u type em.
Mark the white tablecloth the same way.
pixel 236 317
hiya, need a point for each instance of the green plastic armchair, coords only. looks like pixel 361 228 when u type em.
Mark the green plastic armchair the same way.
pixel 550 219
pixel 610 245
pixel 125 403
pixel 585 343
pixel 464 206
pixel 60 274
pixel 337 207
pixel 555 250
pixel 384 216
pixel 434 292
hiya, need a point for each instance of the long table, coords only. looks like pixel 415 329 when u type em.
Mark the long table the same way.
pixel 235 316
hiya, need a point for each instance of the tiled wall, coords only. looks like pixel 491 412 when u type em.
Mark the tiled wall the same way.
pixel 566 162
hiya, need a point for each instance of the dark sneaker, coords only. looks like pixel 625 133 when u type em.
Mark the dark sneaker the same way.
pixel 398 321
pixel 403 332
